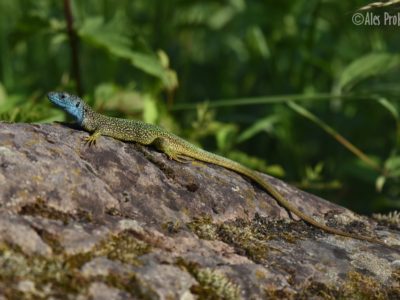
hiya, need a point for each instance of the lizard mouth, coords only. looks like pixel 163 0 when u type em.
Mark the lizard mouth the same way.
pixel 57 98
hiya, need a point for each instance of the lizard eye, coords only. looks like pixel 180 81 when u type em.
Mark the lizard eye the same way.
pixel 62 96
pixel 77 104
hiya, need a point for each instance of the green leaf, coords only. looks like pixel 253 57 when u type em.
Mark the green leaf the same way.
pixel 3 95
pixel 150 111
pixel 147 63
pixel 239 5
pixel 9 103
pixel 266 124
pixel 114 38
pixel 372 64
pixel 314 173
pixel 379 183
pixel 225 136
pixel 390 107
pixel 221 17
pixel 257 41
pixel 392 165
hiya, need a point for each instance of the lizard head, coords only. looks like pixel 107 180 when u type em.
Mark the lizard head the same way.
pixel 72 104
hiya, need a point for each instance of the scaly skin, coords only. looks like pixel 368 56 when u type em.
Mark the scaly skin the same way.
pixel 173 146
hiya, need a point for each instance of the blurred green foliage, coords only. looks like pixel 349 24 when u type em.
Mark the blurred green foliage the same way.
pixel 292 88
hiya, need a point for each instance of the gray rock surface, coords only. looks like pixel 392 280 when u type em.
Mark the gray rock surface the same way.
pixel 121 221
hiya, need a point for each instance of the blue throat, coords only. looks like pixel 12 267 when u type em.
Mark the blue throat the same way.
pixel 76 112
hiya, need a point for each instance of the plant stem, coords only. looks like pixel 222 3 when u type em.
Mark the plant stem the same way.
pixel 73 41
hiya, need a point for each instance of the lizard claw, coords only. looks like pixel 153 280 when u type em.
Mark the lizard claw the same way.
pixel 90 140
pixel 183 159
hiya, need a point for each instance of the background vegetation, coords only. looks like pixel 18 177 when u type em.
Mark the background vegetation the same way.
pixel 292 88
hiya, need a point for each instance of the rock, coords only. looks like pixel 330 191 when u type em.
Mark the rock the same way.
pixel 121 221
pixel 100 291
pixel 169 282
pixel 102 266
pixel 15 231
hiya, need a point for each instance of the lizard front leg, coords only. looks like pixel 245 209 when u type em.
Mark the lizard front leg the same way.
pixel 164 145
pixel 91 139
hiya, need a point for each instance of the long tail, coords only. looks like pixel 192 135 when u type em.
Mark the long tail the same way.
pixel 234 166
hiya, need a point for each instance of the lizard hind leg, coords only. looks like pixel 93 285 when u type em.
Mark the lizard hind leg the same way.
pixel 165 146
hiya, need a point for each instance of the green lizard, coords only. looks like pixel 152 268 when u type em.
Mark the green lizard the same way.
pixel 173 146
